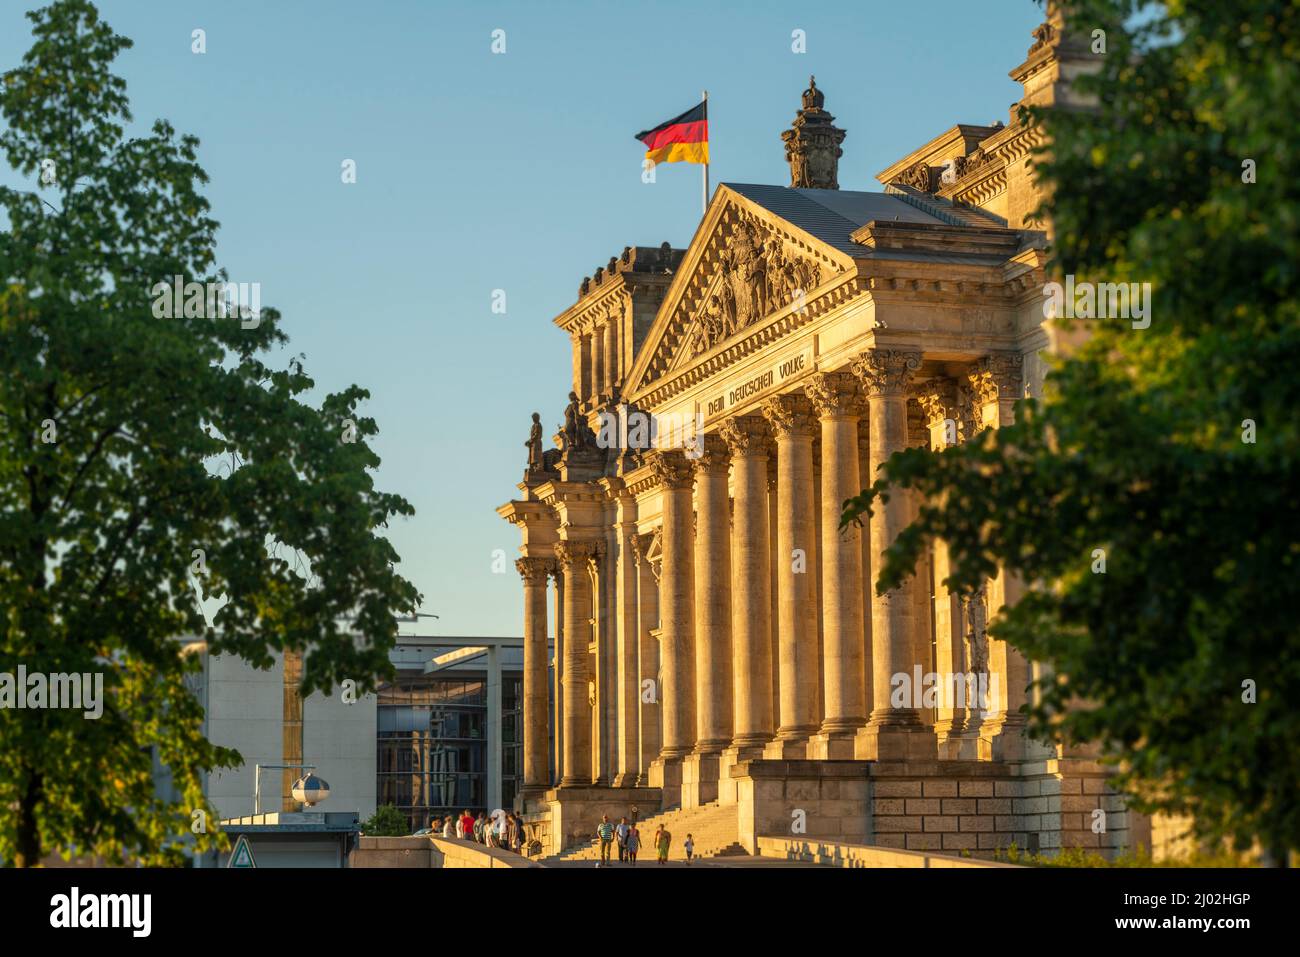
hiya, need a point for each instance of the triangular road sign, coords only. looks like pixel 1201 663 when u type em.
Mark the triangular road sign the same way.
pixel 242 855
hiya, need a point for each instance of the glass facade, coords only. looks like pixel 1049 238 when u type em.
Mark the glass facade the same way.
pixel 432 744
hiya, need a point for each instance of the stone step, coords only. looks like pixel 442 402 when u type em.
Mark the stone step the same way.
pixel 713 827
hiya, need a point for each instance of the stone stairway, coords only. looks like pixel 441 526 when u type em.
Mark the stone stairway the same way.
pixel 714 827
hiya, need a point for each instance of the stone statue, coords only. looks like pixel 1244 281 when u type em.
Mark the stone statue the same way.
pixel 976 637
pixel 577 434
pixel 534 445
pixel 573 431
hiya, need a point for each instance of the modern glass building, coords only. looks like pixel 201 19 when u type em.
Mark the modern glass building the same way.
pixel 432 740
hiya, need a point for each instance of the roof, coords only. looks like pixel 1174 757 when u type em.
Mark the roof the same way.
pixel 831 215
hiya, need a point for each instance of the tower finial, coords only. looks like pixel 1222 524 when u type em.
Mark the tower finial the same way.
pixel 812 144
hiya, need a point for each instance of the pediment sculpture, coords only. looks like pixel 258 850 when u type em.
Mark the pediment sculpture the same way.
pixel 755 277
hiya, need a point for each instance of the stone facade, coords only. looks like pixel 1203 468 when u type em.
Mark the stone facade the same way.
pixel 722 639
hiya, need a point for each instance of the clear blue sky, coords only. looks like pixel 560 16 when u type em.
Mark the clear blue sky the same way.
pixel 519 172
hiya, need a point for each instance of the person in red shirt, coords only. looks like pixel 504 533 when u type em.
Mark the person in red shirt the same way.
pixel 467 824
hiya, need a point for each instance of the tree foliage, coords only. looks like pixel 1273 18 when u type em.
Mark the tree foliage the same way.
pixel 143 458
pixel 1172 448
pixel 387 821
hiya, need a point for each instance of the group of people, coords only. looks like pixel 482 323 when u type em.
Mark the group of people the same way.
pixel 503 829
pixel 626 837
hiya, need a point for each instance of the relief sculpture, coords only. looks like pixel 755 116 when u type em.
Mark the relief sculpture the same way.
pixel 755 277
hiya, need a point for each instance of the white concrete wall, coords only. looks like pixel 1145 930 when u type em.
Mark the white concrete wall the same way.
pixel 340 740
pixel 245 712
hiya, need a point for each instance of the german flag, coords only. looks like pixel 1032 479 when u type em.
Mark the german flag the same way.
pixel 683 139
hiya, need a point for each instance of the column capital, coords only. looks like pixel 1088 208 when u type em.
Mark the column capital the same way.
pixel 790 414
pixel 835 394
pixel 577 553
pixel 746 435
pixel 670 468
pixel 715 457
pixel 938 400
pixel 997 376
pixel 534 570
pixel 886 372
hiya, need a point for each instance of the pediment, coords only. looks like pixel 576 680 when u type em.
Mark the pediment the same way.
pixel 744 266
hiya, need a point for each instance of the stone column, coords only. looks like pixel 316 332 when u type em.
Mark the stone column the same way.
pixel 534 572
pixel 581 366
pixel 597 364
pixel 996 382
pixel 557 694
pixel 774 581
pixel 628 641
pixel 918 437
pixel 753 709
pixel 575 558
pixel 891 733
pixel 791 419
pixel 611 354
pixel 677 613
pixel 647 658
pixel 712 624
pixel 606 674
pixel 837 399
pixel 868 580
pixel 938 401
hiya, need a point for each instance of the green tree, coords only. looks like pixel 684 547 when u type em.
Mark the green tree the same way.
pixel 1173 448
pixel 144 458
pixel 387 821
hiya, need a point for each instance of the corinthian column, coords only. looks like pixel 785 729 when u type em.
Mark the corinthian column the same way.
pixel 837 399
pixel 647 611
pixel 751 608
pixel 575 559
pixel 627 631
pixel 712 624
pixel 939 405
pixel 791 419
pixel 534 572
pixel 676 604
pixel 996 383
pixel 891 733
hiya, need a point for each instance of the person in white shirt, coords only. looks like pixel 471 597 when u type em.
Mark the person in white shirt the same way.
pixel 620 837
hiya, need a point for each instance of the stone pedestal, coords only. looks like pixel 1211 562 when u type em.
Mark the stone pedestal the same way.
pixel 666 776
pixel 728 792
pixel 700 779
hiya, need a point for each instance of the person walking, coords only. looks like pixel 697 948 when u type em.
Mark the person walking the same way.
pixel 663 840
pixel 689 847
pixel 480 823
pixel 451 827
pixel 633 844
pixel 636 815
pixel 620 836
pixel 465 826
pixel 604 831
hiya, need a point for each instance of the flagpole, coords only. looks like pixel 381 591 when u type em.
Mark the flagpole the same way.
pixel 704 205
